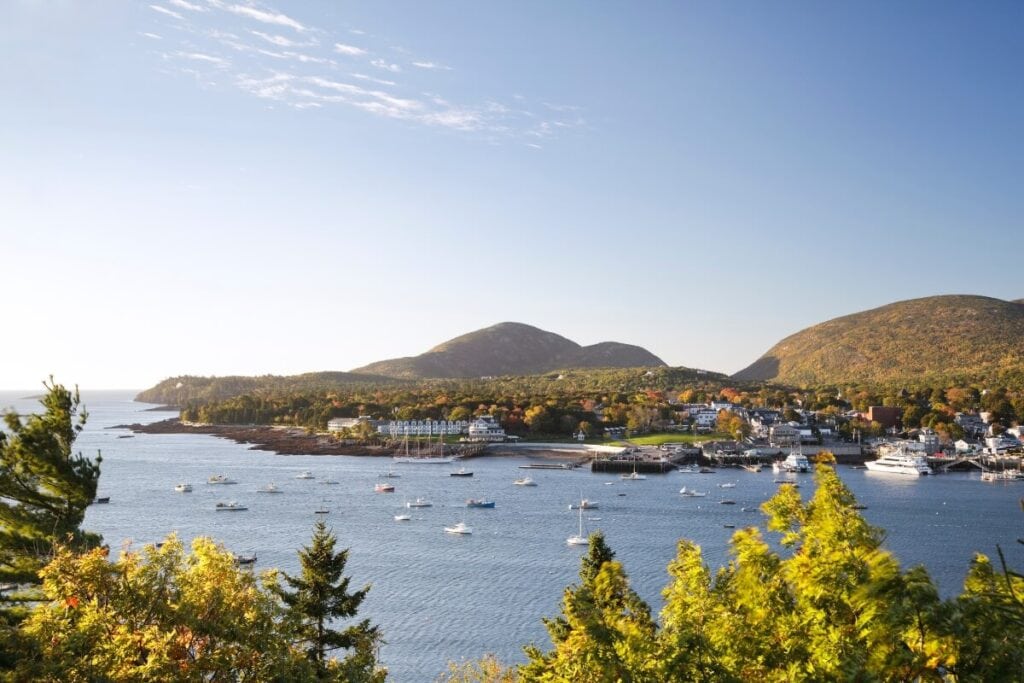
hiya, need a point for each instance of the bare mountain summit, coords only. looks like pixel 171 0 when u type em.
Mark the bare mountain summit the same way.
pixel 511 349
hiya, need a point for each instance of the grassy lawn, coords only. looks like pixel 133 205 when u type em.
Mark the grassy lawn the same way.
pixel 659 439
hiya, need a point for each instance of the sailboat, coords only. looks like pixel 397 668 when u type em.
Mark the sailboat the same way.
pixel 427 458
pixel 579 538
pixel 635 476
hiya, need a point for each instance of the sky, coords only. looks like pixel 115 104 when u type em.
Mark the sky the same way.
pixel 217 187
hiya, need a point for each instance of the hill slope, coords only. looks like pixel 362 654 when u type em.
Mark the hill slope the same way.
pixel 510 349
pixel 972 336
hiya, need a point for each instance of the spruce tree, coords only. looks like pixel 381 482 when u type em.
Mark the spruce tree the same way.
pixel 320 595
pixel 45 489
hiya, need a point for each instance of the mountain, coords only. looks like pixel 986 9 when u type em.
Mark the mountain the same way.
pixel 510 349
pixel 907 341
pixel 180 391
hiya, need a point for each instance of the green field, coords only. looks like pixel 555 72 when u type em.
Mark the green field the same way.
pixel 659 439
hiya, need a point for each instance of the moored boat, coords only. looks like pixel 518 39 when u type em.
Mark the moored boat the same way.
pixel 460 528
pixel 525 481
pixel 269 488
pixel 220 479
pixel 384 487
pixel 419 503
pixel 585 504
pixel 183 488
pixel 230 507
pixel 479 503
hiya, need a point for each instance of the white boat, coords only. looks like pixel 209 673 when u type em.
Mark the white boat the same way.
pixel 578 538
pixel 220 479
pixel 390 474
pixel 305 474
pixel 183 488
pixel 690 493
pixel 419 503
pixel 459 528
pixel 900 462
pixel 403 518
pixel 434 455
pixel 689 469
pixel 384 487
pixel 794 462
pixel 754 467
pixel 584 504
pixel 269 488
pixel 727 485
pixel 230 507
pixel 633 476
pixel 525 481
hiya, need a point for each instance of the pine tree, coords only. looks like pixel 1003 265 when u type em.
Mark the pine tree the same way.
pixel 45 489
pixel 320 595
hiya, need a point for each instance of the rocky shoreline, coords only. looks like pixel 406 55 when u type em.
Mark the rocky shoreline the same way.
pixel 280 440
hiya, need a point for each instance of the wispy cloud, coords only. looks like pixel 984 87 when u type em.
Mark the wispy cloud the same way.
pixel 183 4
pixel 382 64
pixel 431 65
pixel 168 12
pixel 352 50
pixel 220 47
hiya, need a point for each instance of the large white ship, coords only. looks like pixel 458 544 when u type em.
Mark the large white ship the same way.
pixel 900 462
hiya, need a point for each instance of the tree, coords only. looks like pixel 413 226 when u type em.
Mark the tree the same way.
pixel 321 594
pixel 44 490
pixel 158 615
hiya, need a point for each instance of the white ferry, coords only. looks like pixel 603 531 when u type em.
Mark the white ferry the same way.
pixel 794 462
pixel 900 462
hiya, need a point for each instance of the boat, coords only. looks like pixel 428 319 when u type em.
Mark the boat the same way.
pixel 634 475
pixel 384 487
pixel 900 462
pixel 220 479
pixel 689 469
pixel 690 493
pixel 989 475
pixel 403 518
pixel 419 503
pixel 269 488
pixel 727 502
pixel 431 457
pixel 705 470
pixel 183 488
pixel 461 472
pixel 727 485
pixel 328 481
pixel 584 504
pixel 578 538
pixel 459 528
pixel 101 500
pixel 230 507
pixel 305 474
pixel 479 503
pixel 548 466
pixel 525 481
pixel 245 560
pixel 754 467
pixel 390 474
pixel 323 509
pixel 794 462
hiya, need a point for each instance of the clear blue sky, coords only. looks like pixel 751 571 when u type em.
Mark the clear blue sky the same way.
pixel 224 187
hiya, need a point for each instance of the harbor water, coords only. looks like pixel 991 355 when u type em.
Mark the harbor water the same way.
pixel 440 597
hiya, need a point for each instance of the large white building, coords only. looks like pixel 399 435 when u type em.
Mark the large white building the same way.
pixel 397 428
pixel 485 428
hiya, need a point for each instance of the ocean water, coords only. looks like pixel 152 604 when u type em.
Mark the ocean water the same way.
pixel 439 597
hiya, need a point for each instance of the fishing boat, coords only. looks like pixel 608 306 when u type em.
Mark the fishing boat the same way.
pixel 459 528
pixel 461 472
pixel 585 504
pixel 578 538
pixel 384 487
pixel 245 560
pixel 525 481
pixel 220 479
pixel 479 503
pixel 183 488
pixel 269 488
pixel 230 507
pixel 305 474
pixel 419 503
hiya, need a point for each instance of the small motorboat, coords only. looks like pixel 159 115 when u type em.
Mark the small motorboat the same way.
pixel 403 518
pixel 230 507
pixel 183 488
pixel 525 481
pixel 269 488
pixel 461 472
pixel 419 503
pixel 688 469
pixel 305 474
pixel 245 560
pixel 727 485
pixel 459 528
pixel 584 504
pixel 727 502
pixel 690 493
pixel 323 509
pixel 384 487
pixel 220 479
pixel 479 503
pixel 101 500
pixel 752 468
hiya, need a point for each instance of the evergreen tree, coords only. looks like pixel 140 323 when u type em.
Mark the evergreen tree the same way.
pixel 44 491
pixel 321 594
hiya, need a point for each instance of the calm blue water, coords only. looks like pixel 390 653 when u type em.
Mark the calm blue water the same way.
pixel 439 597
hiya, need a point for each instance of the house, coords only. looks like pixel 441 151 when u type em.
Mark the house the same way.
pixel 784 435
pixel 887 416
pixel 337 424
pixel 930 439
